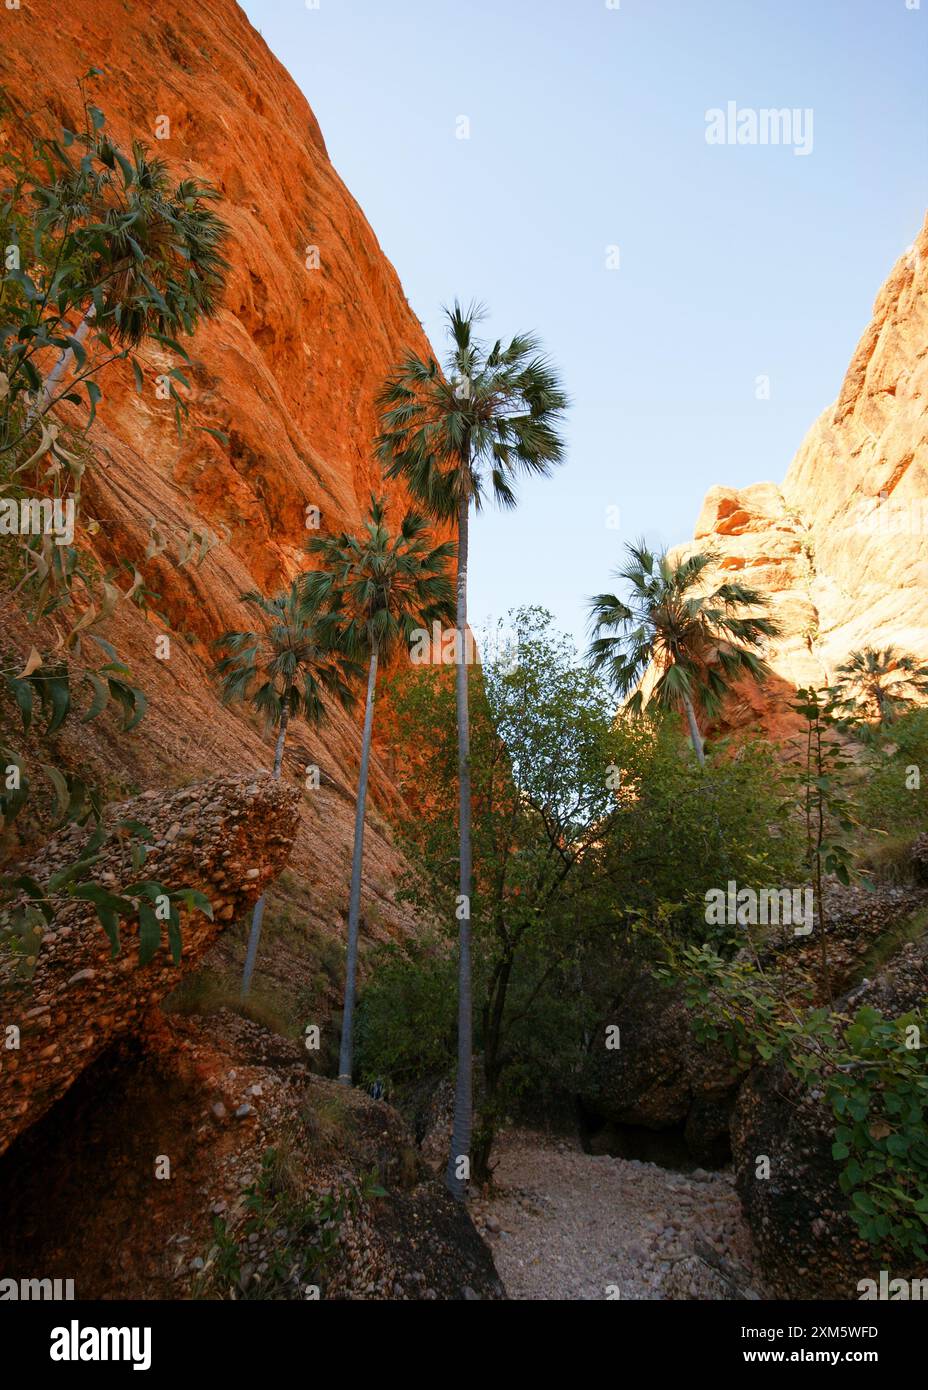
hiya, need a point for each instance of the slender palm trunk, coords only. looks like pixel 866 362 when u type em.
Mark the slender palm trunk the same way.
pixel 254 935
pixel 62 365
pixel 346 1056
pixel 880 704
pixel 459 1158
pixel 695 735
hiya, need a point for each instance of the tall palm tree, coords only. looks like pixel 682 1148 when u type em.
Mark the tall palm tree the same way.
pixel 700 641
pixel 457 437
pixel 284 670
pixel 880 683
pixel 380 589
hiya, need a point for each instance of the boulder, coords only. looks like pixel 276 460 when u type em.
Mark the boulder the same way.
pixel 247 1139
pixel 228 838
pixel 660 1077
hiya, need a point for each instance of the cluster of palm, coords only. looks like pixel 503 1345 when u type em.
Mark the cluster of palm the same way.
pixel 374 590
pixel 456 437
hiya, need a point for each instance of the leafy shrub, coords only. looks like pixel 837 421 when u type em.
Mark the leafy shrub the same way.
pixel 870 1069
pixel 893 794
pixel 406 1016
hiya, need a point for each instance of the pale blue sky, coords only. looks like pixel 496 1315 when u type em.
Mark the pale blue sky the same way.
pixel 588 130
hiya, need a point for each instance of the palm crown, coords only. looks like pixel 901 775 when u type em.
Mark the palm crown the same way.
pixel 376 588
pixel 699 641
pixel 492 414
pixel 289 666
pixel 880 682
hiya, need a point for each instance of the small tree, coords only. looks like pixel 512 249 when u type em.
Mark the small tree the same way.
pixel 103 252
pixel 284 670
pixel 379 589
pixel 546 805
pixel 829 814
pixel 700 642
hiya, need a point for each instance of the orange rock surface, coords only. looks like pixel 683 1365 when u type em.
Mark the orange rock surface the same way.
pixel 841 547
pixel 288 370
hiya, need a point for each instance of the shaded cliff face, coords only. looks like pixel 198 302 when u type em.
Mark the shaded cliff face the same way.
pixel 841 548
pixel 313 319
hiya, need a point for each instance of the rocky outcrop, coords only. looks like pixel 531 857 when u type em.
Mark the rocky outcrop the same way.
pixel 808 1245
pixel 313 319
pixel 841 546
pixel 177 1127
pixel 228 839
pixel 662 1079
pixel 659 1077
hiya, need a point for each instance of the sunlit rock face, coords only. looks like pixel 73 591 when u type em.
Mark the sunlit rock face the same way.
pixel 313 319
pixel 860 479
pixel 840 549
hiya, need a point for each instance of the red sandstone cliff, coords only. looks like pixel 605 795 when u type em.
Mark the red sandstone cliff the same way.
pixel 288 370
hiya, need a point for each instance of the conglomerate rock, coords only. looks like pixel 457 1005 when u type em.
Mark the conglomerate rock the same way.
pixel 179 1127
pixel 228 839
pixel 659 1077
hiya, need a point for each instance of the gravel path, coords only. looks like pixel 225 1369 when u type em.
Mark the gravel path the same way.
pixel 563 1224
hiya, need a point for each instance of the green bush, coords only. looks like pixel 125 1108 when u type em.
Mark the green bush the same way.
pixel 893 793
pixel 405 1026
pixel 869 1068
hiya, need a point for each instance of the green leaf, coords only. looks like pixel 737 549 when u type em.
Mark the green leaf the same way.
pixel 101 897
pixel 94 395
pixel 147 888
pixel 172 344
pixel 220 435
pixel 192 897
pixel 109 921
pixel 106 646
pixel 58 691
pixel 174 936
pixel 100 699
pixel 136 828
pixel 59 782
pixel 149 933
pixel 128 173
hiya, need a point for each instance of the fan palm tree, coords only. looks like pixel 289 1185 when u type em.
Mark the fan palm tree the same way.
pixel 700 642
pixel 457 437
pixel 380 589
pixel 284 670
pixel 880 683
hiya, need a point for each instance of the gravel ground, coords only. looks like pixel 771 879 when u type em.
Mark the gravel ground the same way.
pixel 564 1224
